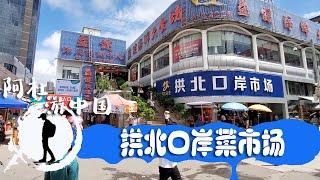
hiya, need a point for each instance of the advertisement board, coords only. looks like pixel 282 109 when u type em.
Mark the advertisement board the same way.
pixel 222 83
pixel 68 87
pixel 89 48
pixel 261 14
pixel 187 49
pixel 88 82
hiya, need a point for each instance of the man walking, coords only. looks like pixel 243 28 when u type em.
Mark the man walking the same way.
pixel 167 117
pixel 48 131
pixel 2 121
pixel 168 169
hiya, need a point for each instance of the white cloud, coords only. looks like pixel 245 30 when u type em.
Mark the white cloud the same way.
pixel 103 5
pixel 53 41
pixel 73 7
pixel 45 62
pixel 312 14
pixel 125 24
pixel 145 11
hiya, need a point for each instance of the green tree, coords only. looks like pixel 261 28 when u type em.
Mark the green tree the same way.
pixel 144 110
pixel 103 83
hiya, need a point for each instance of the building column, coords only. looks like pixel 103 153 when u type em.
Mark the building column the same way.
pixel 205 49
pixel 129 76
pixel 285 108
pixel 139 71
pixel 255 52
pixel 283 59
pixel 304 61
pixel 151 74
pixel 170 57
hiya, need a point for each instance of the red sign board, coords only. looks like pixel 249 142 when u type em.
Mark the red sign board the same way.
pixel 186 50
pixel 55 98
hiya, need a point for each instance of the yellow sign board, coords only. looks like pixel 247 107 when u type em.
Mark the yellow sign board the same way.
pixel 206 2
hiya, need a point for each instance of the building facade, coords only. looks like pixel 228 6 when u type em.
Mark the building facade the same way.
pixel 229 51
pixel 19 26
pixel 82 57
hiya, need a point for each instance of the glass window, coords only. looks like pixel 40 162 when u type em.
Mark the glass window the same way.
pixel 309 88
pixel 300 89
pixel 145 67
pixel 161 59
pixel 292 57
pixel 187 46
pixel 295 88
pixel 70 73
pixel 268 51
pixel 11 68
pixel 309 56
pixel 228 42
pixel 134 73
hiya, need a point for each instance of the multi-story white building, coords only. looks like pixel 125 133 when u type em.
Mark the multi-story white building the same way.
pixel 229 51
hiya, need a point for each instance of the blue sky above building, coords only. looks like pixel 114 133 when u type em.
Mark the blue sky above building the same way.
pixel 119 19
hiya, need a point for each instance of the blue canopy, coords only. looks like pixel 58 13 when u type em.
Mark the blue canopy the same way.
pixel 12 103
pixel 234 107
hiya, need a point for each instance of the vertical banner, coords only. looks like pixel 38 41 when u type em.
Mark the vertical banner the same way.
pixel 88 82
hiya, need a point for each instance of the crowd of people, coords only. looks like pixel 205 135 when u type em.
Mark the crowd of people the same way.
pixel 237 118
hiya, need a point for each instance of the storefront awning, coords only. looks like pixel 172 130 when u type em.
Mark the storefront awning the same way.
pixel 200 103
pixel 308 98
pixel 12 103
pixel 119 105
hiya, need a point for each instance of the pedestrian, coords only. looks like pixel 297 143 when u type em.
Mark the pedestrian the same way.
pixel 2 121
pixel 168 169
pixel 191 120
pixel 167 117
pixel 70 172
pixel 48 131
pixel 246 120
pixel 131 120
pixel 223 118
pixel 2 129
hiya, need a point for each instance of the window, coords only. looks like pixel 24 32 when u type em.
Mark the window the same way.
pixel 292 57
pixel 70 73
pixel 161 59
pixel 229 42
pixel 11 68
pixel 268 51
pixel 309 56
pixel 300 89
pixel 187 46
pixel 134 73
pixel 145 67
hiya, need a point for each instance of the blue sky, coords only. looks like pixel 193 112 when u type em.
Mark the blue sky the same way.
pixel 122 19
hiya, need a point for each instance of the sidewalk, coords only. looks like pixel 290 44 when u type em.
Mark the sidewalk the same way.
pixel 312 167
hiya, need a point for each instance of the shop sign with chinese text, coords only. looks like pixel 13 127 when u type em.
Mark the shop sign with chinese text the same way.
pixel 190 13
pixel 88 48
pixel 88 82
pixel 68 87
pixel 222 83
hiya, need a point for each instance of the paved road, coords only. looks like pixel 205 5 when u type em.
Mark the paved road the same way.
pixel 135 169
